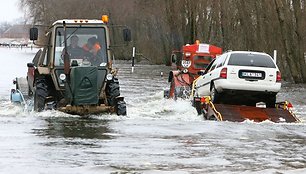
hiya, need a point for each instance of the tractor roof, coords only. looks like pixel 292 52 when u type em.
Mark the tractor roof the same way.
pixel 78 21
pixel 202 48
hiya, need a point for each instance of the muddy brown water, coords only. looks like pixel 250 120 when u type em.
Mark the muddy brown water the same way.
pixel 157 136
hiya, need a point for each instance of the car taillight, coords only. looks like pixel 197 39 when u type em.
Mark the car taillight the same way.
pixel 223 73
pixel 278 76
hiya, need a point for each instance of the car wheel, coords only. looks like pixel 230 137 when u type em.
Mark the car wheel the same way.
pixel 214 95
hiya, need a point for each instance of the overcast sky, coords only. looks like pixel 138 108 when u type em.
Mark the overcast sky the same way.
pixel 9 10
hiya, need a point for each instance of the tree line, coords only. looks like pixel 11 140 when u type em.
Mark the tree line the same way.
pixel 160 26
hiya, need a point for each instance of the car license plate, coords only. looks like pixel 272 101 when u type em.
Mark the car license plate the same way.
pixel 252 74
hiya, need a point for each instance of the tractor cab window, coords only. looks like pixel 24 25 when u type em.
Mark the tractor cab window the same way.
pixel 201 62
pixel 43 57
pixel 36 58
pixel 86 46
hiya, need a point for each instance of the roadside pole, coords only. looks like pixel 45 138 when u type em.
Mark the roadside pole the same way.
pixel 133 59
pixel 275 55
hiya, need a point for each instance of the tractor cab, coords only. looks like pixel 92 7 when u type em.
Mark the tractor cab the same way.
pixel 187 65
pixel 194 58
pixel 74 70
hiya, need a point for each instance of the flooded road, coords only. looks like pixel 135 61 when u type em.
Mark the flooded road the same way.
pixel 157 136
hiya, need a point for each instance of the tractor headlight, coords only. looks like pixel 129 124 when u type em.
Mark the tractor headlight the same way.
pixel 62 77
pixel 186 63
pixel 109 77
pixel 103 64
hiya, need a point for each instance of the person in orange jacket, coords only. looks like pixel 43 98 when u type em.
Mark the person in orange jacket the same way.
pixel 93 50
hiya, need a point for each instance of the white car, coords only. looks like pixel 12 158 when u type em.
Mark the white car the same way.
pixel 240 77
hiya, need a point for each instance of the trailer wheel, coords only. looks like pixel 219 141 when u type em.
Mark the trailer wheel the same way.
pixel 40 95
pixel 214 94
pixel 270 101
pixel 212 118
pixel 205 115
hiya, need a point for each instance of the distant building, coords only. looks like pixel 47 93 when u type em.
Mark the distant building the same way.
pixel 17 31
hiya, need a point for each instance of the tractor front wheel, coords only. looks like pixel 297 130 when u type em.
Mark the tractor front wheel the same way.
pixel 113 93
pixel 121 108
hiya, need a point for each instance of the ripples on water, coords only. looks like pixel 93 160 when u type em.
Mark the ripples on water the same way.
pixel 157 136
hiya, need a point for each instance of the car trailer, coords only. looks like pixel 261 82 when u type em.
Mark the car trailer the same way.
pixel 282 113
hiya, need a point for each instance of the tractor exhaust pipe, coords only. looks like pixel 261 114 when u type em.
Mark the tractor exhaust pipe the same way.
pixel 67 64
pixel 66 55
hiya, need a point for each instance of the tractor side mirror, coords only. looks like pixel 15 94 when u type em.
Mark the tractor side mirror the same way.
pixel 173 58
pixel 30 65
pixel 127 36
pixel 33 34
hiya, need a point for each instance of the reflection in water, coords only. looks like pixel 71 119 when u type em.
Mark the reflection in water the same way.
pixel 68 127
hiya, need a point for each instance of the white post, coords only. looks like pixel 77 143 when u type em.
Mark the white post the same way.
pixel 133 59
pixel 275 55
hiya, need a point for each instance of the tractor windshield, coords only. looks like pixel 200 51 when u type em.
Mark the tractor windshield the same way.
pixel 201 62
pixel 85 46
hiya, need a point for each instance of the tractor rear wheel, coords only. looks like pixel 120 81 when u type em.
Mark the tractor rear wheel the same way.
pixel 40 95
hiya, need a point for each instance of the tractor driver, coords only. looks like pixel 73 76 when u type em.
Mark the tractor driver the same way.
pixel 93 51
pixel 74 50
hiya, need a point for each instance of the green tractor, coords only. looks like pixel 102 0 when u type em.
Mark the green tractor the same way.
pixel 73 72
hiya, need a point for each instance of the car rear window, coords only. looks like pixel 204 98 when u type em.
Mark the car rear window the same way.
pixel 248 59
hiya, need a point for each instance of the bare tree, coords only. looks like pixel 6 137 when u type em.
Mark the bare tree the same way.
pixel 160 26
